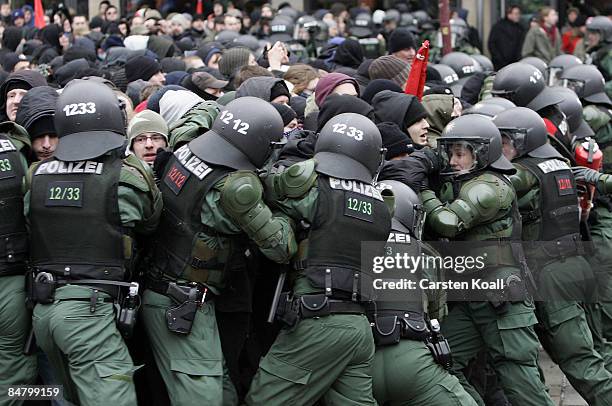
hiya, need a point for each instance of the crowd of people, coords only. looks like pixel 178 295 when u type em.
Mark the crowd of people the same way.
pixel 189 203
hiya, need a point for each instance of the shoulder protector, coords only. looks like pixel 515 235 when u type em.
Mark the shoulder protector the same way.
pixel 481 198
pixel 241 191
pixel 135 174
pixel 595 118
pixel 523 180
pixel 296 180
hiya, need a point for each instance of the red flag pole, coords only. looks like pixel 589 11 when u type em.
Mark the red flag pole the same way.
pixel 445 26
pixel 39 14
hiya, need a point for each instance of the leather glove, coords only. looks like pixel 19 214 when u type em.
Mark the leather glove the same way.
pixel 161 160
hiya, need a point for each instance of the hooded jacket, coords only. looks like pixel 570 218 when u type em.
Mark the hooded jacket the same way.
pixel 28 78
pixel 349 54
pixel 439 109
pixel 38 102
pixel 67 72
pixel 391 107
pixel 260 87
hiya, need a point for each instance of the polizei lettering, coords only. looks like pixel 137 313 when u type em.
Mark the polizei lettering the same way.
pixel 355 186
pixel 553 165
pixel 6 145
pixel 193 164
pixel 61 167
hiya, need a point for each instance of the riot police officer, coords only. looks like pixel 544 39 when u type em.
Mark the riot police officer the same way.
pixel 213 209
pixel 478 204
pixel 411 354
pixel 548 199
pixel 599 51
pixel 85 207
pixel 588 84
pixel 326 348
pixel 15 367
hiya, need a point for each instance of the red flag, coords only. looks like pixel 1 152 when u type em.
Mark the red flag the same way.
pixel 39 14
pixel 418 72
pixel 199 7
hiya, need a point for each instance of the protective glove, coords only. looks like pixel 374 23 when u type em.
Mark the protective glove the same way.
pixel 586 175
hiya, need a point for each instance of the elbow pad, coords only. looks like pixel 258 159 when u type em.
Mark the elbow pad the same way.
pixel 241 198
pixel 296 180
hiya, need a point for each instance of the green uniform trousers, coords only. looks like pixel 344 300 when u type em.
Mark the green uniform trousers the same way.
pixel 328 357
pixel 406 374
pixel 15 368
pixel 564 331
pixel 191 365
pixel 87 351
pixel 511 342
pixel 601 262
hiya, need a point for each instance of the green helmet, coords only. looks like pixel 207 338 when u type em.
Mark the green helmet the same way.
pixel 470 144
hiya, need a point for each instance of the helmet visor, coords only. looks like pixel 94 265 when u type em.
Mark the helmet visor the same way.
pixel 576 85
pixel 461 156
pixel 554 75
pixel 516 137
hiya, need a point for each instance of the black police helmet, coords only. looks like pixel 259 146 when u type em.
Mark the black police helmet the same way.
pixel 572 108
pixel 478 135
pixel 408 213
pixel 88 121
pixel 588 83
pixel 463 64
pixel 349 146
pixel 527 131
pixel 241 136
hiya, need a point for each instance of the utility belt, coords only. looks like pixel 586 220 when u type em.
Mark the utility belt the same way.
pixel 187 298
pixel 546 252
pixel 42 286
pixel 390 329
pixel 291 309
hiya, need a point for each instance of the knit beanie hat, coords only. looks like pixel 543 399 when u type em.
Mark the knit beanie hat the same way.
pixel 378 85
pixel 390 67
pixel 395 140
pixel 141 67
pixel 232 59
pixel 279 89
pixel 146 121
pixel 414 113
pixel 328 83
pixel 286 112
pixel 400 38
pixel 44 125
pixel 172 65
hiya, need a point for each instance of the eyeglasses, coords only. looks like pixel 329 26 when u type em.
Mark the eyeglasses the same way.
pixel 142 139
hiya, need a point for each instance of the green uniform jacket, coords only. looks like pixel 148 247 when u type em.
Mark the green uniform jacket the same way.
pixel 194 123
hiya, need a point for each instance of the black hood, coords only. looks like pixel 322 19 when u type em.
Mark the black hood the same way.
pixel 342 103
pixel 349 54
pixel 11 38
pixel 27 78
pixel 38 102
pixel 259 86
pixel 391 106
